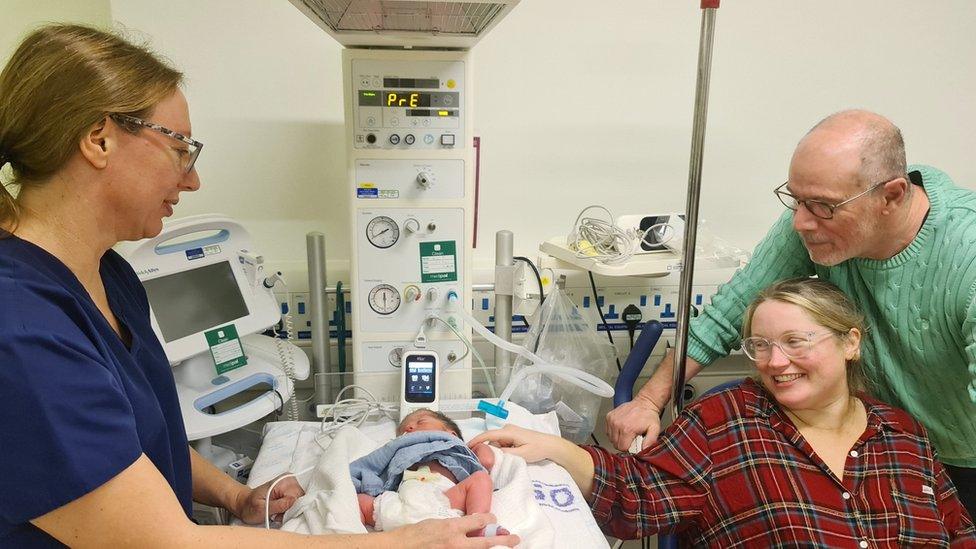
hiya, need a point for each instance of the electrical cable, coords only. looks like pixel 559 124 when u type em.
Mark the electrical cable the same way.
pixel 358 409
pixel 631 316
pixel 538 277
pixel 281 407
pixel 339 319
pixel 606 242
pixel 603 319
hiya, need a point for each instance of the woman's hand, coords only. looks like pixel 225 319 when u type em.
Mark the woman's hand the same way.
pixel 251 503
pixel 534 446
pixel 530 445
pixel 450 533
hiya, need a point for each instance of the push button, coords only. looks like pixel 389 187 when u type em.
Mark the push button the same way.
pixel 447 140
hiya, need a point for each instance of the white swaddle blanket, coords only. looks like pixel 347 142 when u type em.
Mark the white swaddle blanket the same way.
pixel 330 505
pixel 539 502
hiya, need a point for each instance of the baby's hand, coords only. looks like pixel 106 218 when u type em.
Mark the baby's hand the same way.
pixel 485 456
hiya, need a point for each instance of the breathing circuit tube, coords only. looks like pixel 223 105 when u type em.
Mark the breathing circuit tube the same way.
pixel 636 360
pixel 584 380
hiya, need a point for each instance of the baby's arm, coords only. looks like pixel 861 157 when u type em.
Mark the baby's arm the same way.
pixel 485 456
pixel 366 509
pixel 471 495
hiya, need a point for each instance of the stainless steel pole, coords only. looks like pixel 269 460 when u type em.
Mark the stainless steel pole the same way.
pixel 691 208
pixel 504 246
pixel 315 244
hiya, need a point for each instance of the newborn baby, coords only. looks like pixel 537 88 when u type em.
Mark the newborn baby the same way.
pixel 432 471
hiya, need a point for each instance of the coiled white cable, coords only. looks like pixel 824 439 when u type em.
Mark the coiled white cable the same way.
pixel 286 355
pixel 605 241
pixel 355 411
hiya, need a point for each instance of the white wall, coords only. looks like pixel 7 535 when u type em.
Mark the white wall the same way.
pixel 577 103
pixel 19 17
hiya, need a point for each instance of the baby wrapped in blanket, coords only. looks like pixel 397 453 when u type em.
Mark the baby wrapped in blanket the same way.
pixel 427 471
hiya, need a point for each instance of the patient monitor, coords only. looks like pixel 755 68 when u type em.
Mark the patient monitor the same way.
pixel 420 382
pixel 209 299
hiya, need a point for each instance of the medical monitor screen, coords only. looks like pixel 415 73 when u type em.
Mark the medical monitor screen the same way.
pixel 419 379
pixel 196 300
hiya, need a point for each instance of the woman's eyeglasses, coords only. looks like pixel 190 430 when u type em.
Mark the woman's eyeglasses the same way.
pixel 188 156
pixel 794 345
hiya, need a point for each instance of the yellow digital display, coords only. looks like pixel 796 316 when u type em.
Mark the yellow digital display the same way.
pixel 407 99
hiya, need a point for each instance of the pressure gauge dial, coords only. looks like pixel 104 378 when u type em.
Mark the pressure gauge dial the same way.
pixel 382 231
pixel 384 299
pixel 396 357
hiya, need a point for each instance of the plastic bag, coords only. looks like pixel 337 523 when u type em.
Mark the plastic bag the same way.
pixel 560 335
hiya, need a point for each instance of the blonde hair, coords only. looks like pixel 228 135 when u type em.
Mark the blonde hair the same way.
pixel 62 80
pixel 827 305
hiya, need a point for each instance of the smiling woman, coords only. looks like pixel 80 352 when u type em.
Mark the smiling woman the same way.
pixel 798 458
pixel 804 321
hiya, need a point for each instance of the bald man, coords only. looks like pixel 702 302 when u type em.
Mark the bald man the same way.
pixel 902 242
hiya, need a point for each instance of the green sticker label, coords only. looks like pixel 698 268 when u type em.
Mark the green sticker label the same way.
pixel 226 349
pixel 438 261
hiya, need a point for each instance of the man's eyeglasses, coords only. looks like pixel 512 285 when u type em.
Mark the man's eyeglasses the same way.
pixel 819 208
pixel 188 156
pixel 794 345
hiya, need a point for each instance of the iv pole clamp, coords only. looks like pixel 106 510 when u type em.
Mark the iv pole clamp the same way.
pixel 709 8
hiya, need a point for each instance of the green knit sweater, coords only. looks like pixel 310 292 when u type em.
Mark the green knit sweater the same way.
pixel 919 352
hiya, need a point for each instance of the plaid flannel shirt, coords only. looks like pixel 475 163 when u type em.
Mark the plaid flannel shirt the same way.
pixel 733 471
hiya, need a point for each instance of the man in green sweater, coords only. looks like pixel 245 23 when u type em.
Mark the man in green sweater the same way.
pixel 902 244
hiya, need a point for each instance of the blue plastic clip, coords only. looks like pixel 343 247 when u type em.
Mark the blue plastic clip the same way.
pixel 497 410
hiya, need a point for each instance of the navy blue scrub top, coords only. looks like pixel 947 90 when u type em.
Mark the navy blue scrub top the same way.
pixel 77 406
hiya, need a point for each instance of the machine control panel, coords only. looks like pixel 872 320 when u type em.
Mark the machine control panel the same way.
pixel 407 105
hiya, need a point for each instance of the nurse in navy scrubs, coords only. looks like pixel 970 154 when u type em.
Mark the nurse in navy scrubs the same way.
pixel 93 451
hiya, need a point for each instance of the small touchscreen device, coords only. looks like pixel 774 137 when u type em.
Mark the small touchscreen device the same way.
pixel 420 378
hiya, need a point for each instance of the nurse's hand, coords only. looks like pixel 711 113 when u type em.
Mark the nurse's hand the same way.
pixel 251 506
pixel 530 445
pixel 449 533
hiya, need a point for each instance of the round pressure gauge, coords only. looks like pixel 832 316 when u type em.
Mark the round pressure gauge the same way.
pixel 396 357
pixel 384 299
pixel 382 231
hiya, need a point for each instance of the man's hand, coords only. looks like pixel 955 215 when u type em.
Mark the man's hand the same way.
pixel 450 533
pixel 637 417
pixel 251 503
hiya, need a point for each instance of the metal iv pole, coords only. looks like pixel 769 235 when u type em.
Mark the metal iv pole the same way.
pixel 709 8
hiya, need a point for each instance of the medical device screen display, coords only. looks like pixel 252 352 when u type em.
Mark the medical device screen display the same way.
pixel 419 381
pixel 196 300
pixel 408 99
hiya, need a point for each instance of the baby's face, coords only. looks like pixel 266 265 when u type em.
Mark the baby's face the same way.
pixel 421 421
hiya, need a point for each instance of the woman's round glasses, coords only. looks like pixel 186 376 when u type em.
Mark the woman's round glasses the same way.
pixel 794 345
